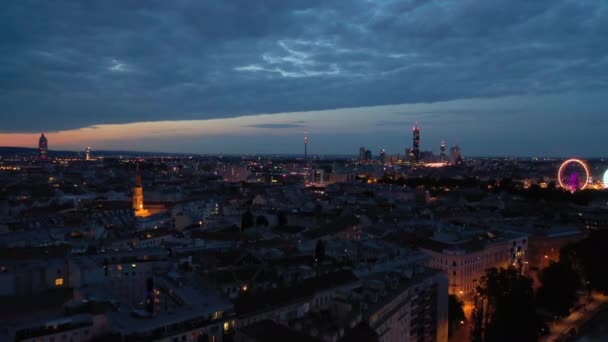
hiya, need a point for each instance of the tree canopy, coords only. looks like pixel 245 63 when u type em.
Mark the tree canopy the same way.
pixel 558 292
pixel 506 299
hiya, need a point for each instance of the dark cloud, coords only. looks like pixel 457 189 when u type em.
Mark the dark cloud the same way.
pixel 69 64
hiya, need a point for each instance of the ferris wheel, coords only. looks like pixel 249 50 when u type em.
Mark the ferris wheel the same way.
pixel 573 175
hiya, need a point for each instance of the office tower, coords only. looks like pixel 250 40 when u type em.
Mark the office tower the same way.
pixel 409 155
pixel 305 146
pixel 455 156
pixel 87 154
pixel 362 153
pixel 43 146
pixel 382 156
pixel 442 152
pixel 416 143
pixel 368 155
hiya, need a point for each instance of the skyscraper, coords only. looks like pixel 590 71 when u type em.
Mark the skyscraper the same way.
pixel 383 156
pixel 442 152
pixel 455 156
pixel 305 146
pixel 362 153
pixel 416 143
pixel 368 155
pixel 87 154
pixel 43 146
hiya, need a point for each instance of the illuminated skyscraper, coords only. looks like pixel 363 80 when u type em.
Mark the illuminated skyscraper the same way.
pixel 409 155
pixel 43 146
pixel 383 156
pixel 87 154
pixel 416 143
pixel 442 152
pixel 305 146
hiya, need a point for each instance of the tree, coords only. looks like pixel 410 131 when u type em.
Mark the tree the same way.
pixel 319 251
pixel 455 313
pixel 282 218
pixel 261 220
pixel 247 220
pixel 588 257
pixel 558 292
pixel 507 300
pixel 477 320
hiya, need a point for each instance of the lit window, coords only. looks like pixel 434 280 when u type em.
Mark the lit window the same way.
pixel 58 281
pixel 226 326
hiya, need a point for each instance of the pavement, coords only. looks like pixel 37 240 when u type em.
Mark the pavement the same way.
pixel 563 326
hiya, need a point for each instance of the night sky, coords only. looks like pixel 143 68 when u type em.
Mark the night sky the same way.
pixel 497 77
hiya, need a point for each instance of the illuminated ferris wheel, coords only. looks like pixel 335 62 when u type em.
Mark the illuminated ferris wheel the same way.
pixel 573 175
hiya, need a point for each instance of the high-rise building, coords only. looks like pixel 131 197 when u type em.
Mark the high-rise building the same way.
pixel 442 152
pixel 455 156
pixel 305 146
pixel 362 153
pixel 87 154
pixel 43 146
pixel 368 155
pixel 409 155
pixel 383 156
pixel 416 143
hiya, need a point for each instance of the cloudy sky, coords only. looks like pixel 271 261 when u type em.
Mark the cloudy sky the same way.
pixel 497 77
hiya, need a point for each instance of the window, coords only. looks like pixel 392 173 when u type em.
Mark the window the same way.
pixel 58 281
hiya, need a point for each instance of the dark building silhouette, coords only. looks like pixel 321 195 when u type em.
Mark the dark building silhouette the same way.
pixel 455 155
pixel 362 153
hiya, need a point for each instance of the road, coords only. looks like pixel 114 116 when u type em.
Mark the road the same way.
pixel 463 332
pixel 561 327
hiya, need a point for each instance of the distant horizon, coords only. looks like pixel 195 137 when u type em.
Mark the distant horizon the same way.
pixel 297 155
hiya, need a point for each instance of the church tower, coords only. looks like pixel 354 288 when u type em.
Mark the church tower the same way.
pixel 138 196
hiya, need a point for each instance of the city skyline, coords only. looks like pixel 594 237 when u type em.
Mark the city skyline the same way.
pixel 281 133
pixel 237 78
